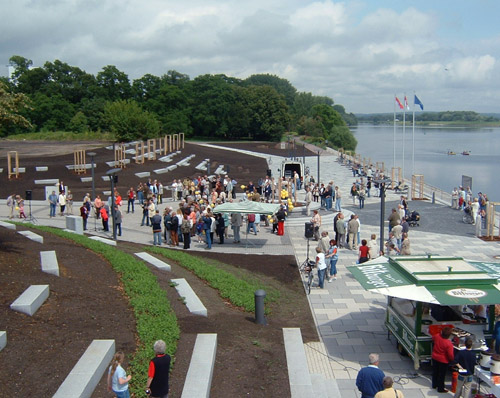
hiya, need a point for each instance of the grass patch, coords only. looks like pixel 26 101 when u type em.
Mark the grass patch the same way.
pixel 154 315
pixel 238 290
pixel 63 136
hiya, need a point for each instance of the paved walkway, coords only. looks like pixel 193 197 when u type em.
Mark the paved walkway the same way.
pixel 350 320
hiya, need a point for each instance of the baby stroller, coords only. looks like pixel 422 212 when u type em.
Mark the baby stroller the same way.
pixel 413 219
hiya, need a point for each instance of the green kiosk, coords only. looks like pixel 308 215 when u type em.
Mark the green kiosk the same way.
pixel 425 293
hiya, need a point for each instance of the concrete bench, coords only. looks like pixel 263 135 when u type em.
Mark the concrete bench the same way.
pixel 19 170
pixel 86 166
pixel 298 373
pixel 7 225
pixel 161 171
pixel 115 164
pixel 50 181
pixel 201 368
pixel 75 224
pixel 172 167
pixel 104 240
pixel 202 165
pixel 3 339
pixel 48 261
pixel 166 159
pixel 41 168
pixel 153 261
pixel 86 374
pixel 32 236
pixel 143 174
pixel 86 179
pixel 31 299
pixel 220 170
pixel 194 304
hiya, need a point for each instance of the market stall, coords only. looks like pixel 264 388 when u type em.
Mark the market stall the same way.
pixel 426 293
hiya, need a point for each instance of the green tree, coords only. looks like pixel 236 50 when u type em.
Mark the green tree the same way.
pixel 114 83
pixel 282 86
pixel 79 123
pixel 50 113
pixel 11 106
pixel 129 122
pixel 335 129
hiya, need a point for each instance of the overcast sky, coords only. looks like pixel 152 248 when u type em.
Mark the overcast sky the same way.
pixel 360 53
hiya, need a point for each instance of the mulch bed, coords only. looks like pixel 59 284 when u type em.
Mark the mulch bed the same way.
pixel 86 303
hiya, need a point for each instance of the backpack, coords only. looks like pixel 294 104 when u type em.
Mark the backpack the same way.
pixel 185 226
pixel 251 218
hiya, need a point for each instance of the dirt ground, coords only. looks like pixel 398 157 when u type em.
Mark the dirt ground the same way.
pixel 56 155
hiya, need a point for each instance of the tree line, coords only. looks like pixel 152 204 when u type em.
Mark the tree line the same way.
pixel 446 116
pixel 61 97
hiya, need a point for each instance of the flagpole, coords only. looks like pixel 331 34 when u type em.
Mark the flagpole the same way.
pixel 394 136
pixel 413 140
pixel 404 128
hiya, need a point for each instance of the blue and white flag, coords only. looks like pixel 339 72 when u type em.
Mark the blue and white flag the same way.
pixel 416 101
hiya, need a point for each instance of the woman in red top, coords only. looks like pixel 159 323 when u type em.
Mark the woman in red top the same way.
pixel 442 355
pixel 364 254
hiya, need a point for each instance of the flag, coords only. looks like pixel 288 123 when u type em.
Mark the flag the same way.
pixel 406 104
pixel 416 101
pixel 399 103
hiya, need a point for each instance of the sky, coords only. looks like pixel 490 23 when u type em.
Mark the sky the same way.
pixel 360 53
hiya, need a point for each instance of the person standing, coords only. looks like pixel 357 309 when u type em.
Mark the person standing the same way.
pixel 324 242
pixel 405 245
pixel 321 265
pixel 389 391
pixel 52 202
pixel 281 216
pixel 62 202
pixel 370 379
pixel 69 202
pixel 373 247
pixel 104 217
pixel 156 225
pixel 117 377
pixel 118 221
pixel 316 221
pixel 353 228
pixel 84 213
pixel 131 199
pixel 308 201
pixel 442 355
pixel 338 199
pixel 11 204
pixel 341 230
pixel 221 226
pixel 332 256
pixel 174 229
pixel 145 213
pixel 207 225
pixel 251 224
pixel 466 359
pixel 236 222
pixel 151 210
pixel 186 230
pixel 158 372
pixel 393 219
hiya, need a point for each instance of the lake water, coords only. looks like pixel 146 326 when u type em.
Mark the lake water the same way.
pixel 431 159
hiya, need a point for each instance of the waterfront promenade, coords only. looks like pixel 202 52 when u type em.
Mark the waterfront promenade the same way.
pixel 350 321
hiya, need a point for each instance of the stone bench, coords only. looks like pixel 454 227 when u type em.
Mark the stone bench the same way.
pixel 86 166
pixel 143 174
pixel 75 224
pixel 202 165
pixel 194 304
pixel 32 236
pixel 86 179
pixel 172 167
pixel 161 171
pixel 220 170
pixel 19 170
pixel 3 339
pixel 298 373
pixel 50 181
pixel 86 374
pixel 153 261
pixel 104 240
pixel 41 168
pixel 201 368
pixel 48 261
pixel 166 159
pixel 115 164
pixel 31 299
pixel 7 225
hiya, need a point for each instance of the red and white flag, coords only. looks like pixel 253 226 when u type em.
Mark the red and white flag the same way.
pixel 406 104
pixel 399 103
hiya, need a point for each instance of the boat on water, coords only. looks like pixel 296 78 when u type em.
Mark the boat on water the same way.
pixel 466 153
pixel 451 153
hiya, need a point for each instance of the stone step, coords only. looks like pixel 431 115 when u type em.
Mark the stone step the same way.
pixel 86 374
pixel 194 304
pixel 298 373
pixel 143 174
pixel 8 225
pixel 104 240
pixel 86 179
pixel 31 299
pixel 154 261
pixel 49 181
pixel 32 236
pixel 48 261
pixel 3 339
pixel 75 224
pixel 84 166
pixel 41 168
pixel 201 368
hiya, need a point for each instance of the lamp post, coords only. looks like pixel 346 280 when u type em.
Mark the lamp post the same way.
pixel 112 175
pixel 382 185
pixel 92 155
pixel 318 168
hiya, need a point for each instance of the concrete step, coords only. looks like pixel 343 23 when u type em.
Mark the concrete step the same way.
pixel 48 261
pixel 153 261
pixel 31 300
pixel 201 368
pixel 7 225
pixel 32 236
pixel 104 240
pixel 298 372
pixel 86 374
pixel 193 303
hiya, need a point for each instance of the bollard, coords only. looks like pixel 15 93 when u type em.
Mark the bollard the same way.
pixel 433 197
pixel 260 295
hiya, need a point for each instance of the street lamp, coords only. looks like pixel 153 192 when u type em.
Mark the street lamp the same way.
pixel 92 155
pixel 382 183
pixel 113 178
pixel 318 167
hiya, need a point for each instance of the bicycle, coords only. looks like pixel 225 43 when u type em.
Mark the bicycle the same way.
pixel 307 268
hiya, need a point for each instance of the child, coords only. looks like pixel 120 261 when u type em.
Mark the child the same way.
pixel 117 377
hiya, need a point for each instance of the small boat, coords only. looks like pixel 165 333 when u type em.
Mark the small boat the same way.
pixel 466 153
pixel 451 153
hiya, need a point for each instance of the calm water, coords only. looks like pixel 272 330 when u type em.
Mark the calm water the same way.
pixel 431 159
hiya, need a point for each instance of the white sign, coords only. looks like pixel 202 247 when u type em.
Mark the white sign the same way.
pixel 466 293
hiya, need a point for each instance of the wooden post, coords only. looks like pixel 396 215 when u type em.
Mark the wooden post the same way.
pixel 161 146
pixel 139 152
pixel 120 156
pixel 13 171
pixel 79 161
pixel 175 142
pixel 168 145
pixel 395 176
pixel 181 139
pixel 151 146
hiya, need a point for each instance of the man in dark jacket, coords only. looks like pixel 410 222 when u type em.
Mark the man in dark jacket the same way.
pixel 158 371
pixel 156 224
pixel 370 379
